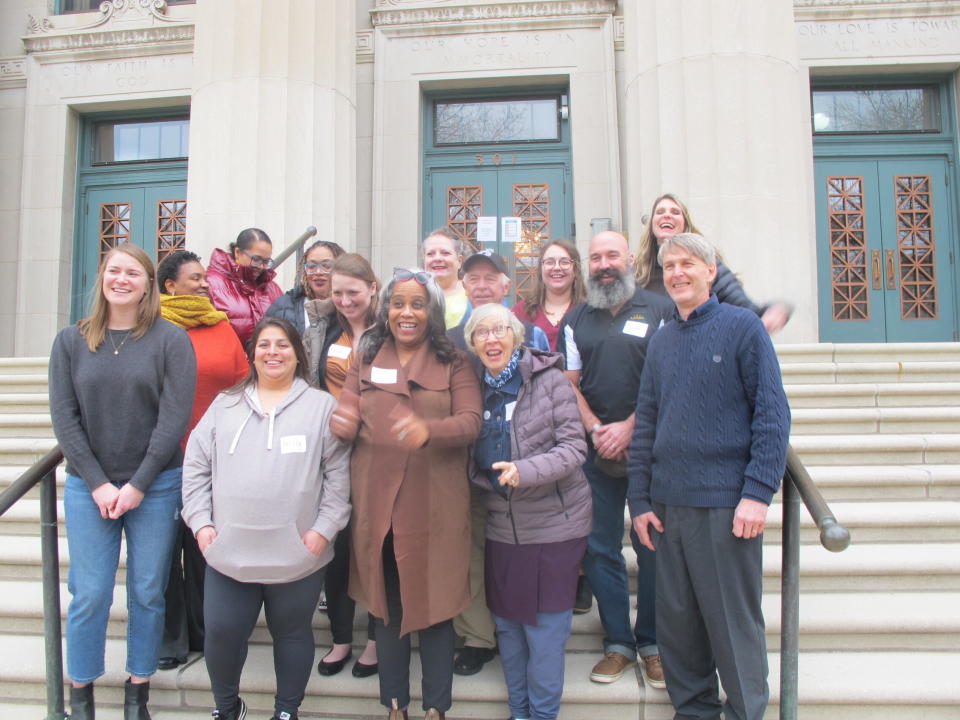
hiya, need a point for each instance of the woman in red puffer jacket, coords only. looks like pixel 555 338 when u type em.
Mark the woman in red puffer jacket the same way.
pixel 241 281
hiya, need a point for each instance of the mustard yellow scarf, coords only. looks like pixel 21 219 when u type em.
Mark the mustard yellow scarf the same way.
pixel 189 311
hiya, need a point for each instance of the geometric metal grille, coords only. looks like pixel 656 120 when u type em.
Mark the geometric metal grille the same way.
pixel 531 203
pixel 846 221
pixel 464 205
pixel 916 248
pixel 114 226
pixel 171 227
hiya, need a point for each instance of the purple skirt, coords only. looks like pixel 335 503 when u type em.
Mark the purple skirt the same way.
pixel 522 580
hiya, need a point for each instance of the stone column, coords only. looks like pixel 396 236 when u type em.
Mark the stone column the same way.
pixel 716 111
pixel 273 129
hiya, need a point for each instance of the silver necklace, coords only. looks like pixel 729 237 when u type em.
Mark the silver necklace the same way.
pixel 116 348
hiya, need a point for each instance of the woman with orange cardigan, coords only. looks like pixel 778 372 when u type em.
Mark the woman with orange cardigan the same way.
pixel 221 363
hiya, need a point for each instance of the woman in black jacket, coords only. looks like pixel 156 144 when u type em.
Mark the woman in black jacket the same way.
pixel 313 283
pixel 670 217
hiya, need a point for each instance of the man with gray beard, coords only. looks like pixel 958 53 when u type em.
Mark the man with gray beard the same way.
pixel 604 341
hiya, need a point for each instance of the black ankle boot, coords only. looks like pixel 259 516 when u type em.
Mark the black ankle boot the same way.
pixel 135 699
pixel 81 703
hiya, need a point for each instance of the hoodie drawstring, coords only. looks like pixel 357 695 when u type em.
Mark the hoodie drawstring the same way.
pixel 236 438
pixel 273 414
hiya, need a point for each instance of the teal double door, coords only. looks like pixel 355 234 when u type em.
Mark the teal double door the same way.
pixel 149 214
pixel 886 242
pixel 494 188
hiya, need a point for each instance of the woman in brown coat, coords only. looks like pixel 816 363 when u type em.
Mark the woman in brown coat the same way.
pixel 412 406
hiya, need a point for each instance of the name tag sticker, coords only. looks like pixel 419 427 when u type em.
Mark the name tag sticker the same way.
pixel 635 328
pixel 293 444
pixel 383 376
pixel 508 410
pixel 340 351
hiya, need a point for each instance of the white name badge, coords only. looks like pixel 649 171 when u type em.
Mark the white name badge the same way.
pixel 293 444
pixel 340 351
pixel 636 328
pixel 383 376
pixel 508 410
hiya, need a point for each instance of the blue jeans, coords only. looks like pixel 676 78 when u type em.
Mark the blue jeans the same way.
pixel 94 545
pixel 533 659
pixel 606 570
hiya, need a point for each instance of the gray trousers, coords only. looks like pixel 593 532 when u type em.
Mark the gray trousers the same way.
pixel 709 618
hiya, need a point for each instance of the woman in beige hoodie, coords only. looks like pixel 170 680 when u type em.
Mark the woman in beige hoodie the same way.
pixel 266 489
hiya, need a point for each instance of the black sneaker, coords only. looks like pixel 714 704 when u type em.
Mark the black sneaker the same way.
pixel 284 716
pixel 239 712
pixel 584 600
pixel 471 660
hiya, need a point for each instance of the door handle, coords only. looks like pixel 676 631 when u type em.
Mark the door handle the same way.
pixel 877 271
pixel 891 278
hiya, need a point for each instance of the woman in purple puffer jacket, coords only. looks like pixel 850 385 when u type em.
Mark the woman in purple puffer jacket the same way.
pixel 539 511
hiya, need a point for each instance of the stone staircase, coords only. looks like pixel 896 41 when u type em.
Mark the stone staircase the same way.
pixel 877 427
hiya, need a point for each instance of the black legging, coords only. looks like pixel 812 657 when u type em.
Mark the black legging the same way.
pixel 230 611
pixel 340 606
pixel 393 651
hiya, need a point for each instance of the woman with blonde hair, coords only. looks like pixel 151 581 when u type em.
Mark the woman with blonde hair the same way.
pixel 670 217
pixel 121 391
pixel 354 305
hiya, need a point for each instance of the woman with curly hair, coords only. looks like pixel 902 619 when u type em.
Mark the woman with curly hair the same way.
pixel 411 406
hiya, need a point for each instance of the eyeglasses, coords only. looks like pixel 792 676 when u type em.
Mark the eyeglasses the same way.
pixel 421 277
pixel 498 331
pixel 257 261
pixel 565 263
pixel 323 267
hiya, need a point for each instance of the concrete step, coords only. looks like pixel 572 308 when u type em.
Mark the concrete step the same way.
pixel 886 482
pixel 901 522
pixel 25 425
pixel 915 394
pixel 874 420
pixel 828 620
pixel 23 383
pixel 19 365
pixel 888 371
pixel 842 685
pixel 865 450
pixel 24 452
pixel 869 352
pixel 24 403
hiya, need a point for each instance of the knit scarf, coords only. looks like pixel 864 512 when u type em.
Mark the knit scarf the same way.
pixel 189 311
pixel 504 377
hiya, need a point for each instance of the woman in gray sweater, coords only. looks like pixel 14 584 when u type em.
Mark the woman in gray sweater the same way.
pixel 121 390
pixel 266 489
pixel 539 509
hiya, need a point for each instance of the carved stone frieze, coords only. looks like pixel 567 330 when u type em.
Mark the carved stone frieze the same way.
pixel 364 46
pixel 12 72
pixel 110 14
pixel 135 41
pixel 398 12
pixel 805 10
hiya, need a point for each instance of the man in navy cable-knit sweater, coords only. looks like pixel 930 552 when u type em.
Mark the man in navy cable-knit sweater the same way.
pixel 708 452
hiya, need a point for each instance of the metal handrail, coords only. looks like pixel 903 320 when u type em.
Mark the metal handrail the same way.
pixel 295 247
pixel 797 486
pixel 44 472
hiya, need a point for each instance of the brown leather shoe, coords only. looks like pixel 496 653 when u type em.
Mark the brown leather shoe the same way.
pixel 433 715
pixel 397 715
pixel 611 668
pixel 652 671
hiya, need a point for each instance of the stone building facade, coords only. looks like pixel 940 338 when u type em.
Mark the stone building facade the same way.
pixel 815 141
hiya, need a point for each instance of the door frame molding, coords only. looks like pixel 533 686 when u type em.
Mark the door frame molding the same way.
pixel 102 177
pixel 879 146
pixel 522 154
